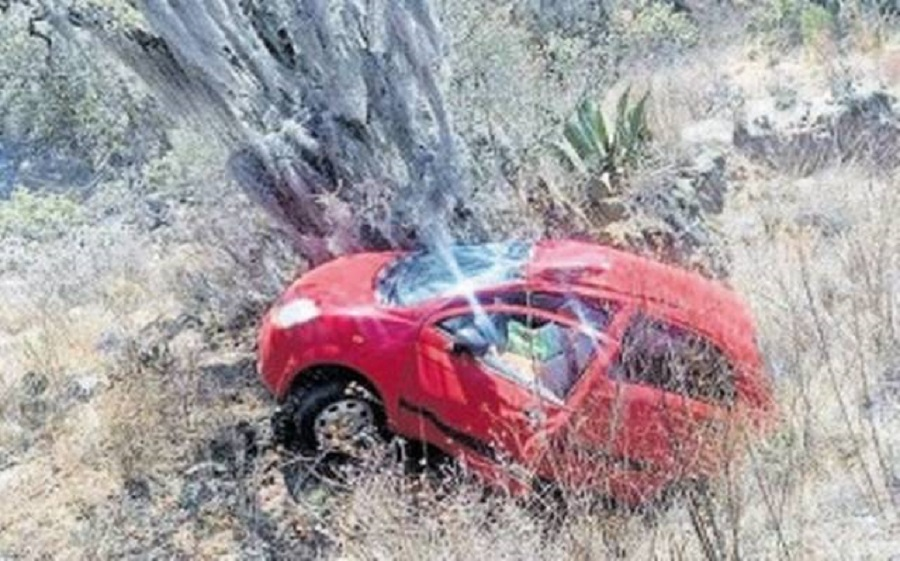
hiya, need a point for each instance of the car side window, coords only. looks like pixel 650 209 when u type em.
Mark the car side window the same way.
pixel 533 351
pixel 674 360
pixel 591 313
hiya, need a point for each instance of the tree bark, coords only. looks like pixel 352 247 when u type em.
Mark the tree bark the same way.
pixel 334 110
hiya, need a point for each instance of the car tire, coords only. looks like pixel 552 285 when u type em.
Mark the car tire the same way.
pixel 313 405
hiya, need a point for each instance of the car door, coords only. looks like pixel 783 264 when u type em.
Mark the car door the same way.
pixel 662 430
pixel 699 396
pixel 580 449
pixel 463 404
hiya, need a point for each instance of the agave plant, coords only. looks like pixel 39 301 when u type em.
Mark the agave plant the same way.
pixel 593 147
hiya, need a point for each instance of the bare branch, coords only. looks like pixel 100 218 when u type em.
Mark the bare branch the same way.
pixel 35 32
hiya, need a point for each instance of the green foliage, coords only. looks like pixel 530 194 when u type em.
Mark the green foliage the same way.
pixel 496 45
pixel 794 22
pixel 64 99
pixel 598 146
pixel 652 25
pixel 192 160
pixel 815 22
pixel 38 216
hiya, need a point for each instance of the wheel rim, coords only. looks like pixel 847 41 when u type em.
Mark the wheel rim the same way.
pixel 345 425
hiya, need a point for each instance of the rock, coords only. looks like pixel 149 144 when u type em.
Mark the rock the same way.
pixel 829 224
pixel 319 103
pixel 229 370
pixel 6 460
pixel 110 342
pixel 160 341
pixel 707 177
pixel 137 488
pixel 34 385
pixel 166 329
pixel 82 387
pixel 709 132
pixel 672 217
pixel 154 213
pixel 612 209
pixel 806 135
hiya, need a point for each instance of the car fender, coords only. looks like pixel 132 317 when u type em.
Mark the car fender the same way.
pixel 377 347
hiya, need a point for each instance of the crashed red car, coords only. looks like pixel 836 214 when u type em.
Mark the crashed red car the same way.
pixel 558 361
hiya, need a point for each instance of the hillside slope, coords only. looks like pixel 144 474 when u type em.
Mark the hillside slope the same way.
pixel 131 421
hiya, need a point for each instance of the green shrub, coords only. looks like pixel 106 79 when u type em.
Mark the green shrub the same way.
pixel 38 216
pixel 794 22
pixel 66 99
pixel 815 22
pixel 601 147
pixel 654 25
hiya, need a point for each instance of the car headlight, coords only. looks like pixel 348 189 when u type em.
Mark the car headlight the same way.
pixel 294 313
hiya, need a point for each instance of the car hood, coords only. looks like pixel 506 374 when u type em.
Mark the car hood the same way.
pixel 345 281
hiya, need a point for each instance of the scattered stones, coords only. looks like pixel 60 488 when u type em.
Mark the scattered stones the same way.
pixel 804 136
pixel 673 217
pixel 709 132
pixel 34 385
pixel 84 386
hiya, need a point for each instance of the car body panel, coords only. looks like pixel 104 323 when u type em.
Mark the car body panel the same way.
pixel 631 440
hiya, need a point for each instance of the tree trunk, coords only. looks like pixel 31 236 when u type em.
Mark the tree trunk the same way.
pixel 333 109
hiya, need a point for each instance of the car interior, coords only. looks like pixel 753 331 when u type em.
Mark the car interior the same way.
pixel 530 349
pixel 674 360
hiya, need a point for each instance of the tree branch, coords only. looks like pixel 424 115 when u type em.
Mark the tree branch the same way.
pixel 33 31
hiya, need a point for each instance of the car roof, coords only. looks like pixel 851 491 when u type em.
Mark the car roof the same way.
pixel 707 305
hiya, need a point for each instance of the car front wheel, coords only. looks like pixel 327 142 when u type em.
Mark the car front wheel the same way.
pixel 336 417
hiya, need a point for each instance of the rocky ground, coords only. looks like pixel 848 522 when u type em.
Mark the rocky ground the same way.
pixel 133 424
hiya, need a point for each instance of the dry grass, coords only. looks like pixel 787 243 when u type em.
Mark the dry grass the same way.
pixel 137 468
pixel 103 391
pixel 818 259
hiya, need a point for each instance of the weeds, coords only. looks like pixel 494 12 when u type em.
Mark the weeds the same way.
pixel 157 461
pixel 607 148
pixel 38 216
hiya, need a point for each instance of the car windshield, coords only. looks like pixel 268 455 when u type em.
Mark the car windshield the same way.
pixel 419 276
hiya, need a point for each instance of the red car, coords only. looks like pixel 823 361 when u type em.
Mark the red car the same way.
pixel 558 361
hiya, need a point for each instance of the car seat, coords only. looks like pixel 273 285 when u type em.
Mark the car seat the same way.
pixel 559 373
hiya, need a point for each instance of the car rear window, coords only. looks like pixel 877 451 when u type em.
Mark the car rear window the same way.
pixel 457 270
pixel 675 360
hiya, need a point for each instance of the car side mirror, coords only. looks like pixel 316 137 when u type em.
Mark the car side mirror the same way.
pixel 470 340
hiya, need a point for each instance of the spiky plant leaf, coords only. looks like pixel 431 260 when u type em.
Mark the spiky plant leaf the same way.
pixel 622 115
pixel 577 138
pixel 598 126
pixel 566 153
pixel 594 144
pixel 586 114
